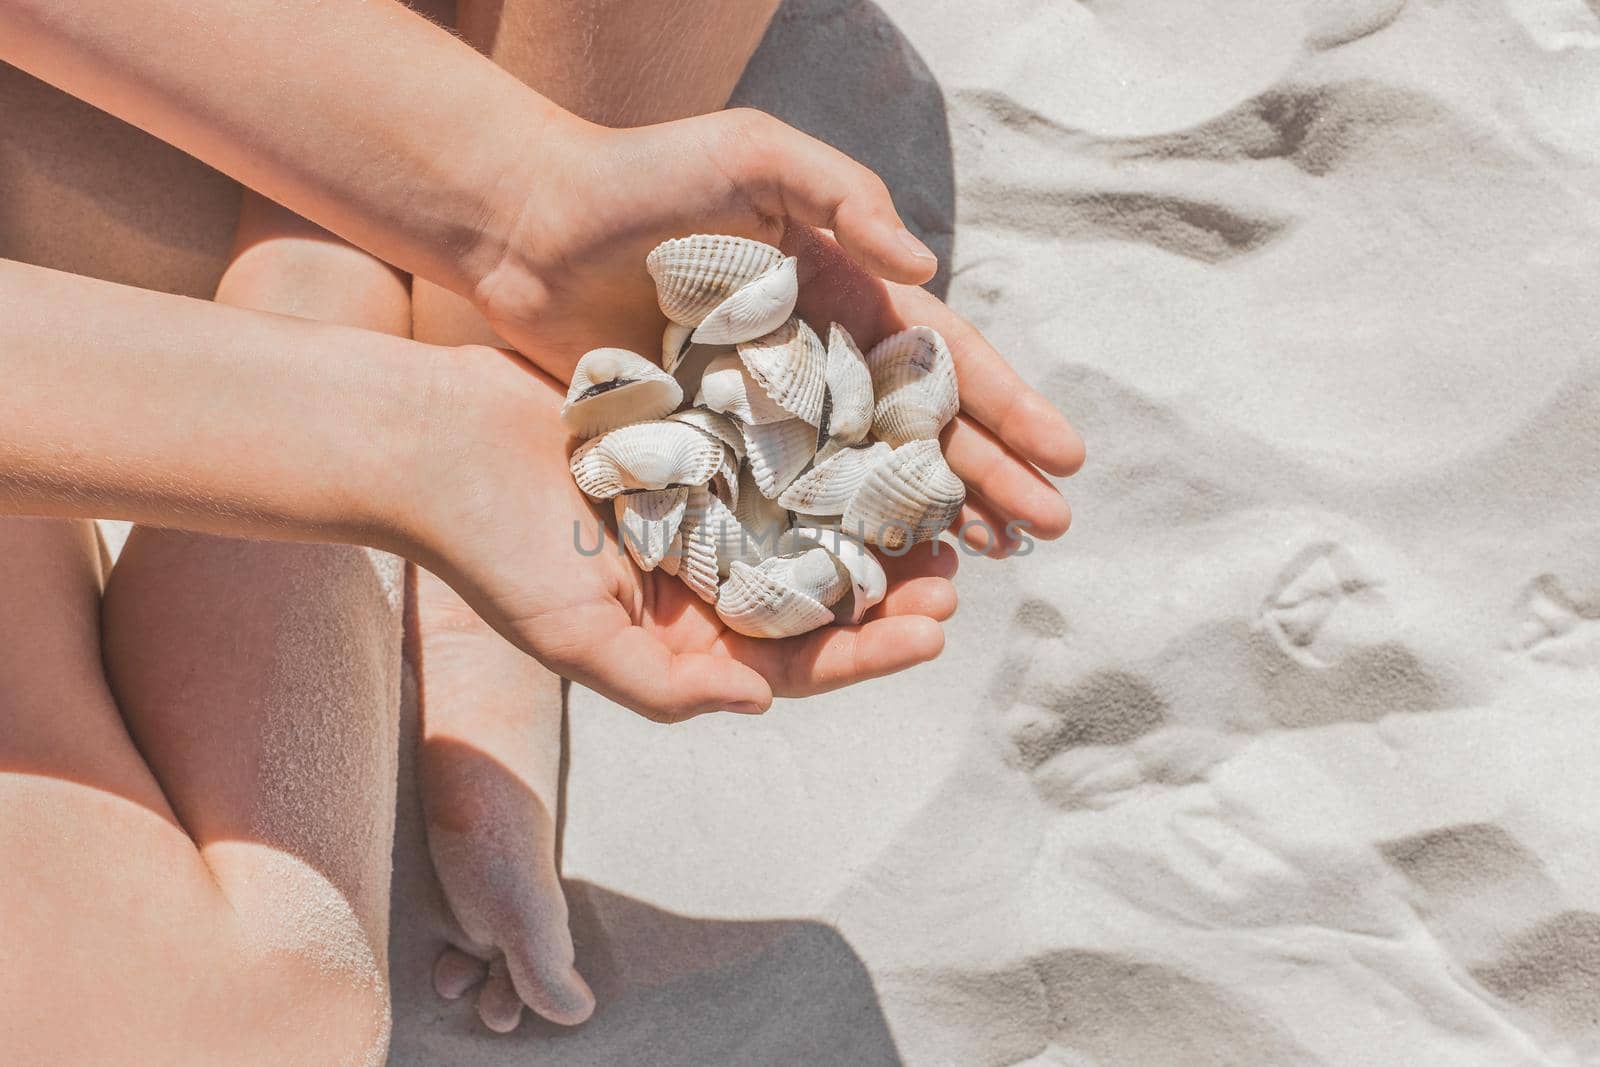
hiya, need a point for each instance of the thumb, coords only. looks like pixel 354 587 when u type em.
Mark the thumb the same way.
pixel 787 174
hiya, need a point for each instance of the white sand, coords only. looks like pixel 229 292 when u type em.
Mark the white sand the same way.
pixel 1287 755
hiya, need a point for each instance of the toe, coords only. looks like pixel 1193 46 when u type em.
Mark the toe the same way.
pixel 455 972
pixel 498 1004
pixel 549 983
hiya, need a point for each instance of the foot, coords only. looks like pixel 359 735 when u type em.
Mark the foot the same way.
pixel 488 770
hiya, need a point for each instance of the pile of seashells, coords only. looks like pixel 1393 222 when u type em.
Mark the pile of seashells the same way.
pixel 763 494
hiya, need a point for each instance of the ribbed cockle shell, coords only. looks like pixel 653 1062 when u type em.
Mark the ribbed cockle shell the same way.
pixel 755 309
pixel 914 381
pixel 827 488
pixel 778 451
pixel 612 387
pixel 645 455
pixel 648 523
pixel 693 275
pixel 868 582
pixel 791 366
pixel 729 388
pixel 849 389
pixel 775 598
pixel 910 497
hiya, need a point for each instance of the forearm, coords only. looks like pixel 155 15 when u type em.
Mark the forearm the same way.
pixel 280 94
pixel 122 403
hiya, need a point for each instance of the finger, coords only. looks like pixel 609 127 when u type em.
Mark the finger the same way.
pixel 788 174
pixel 498 1004
pixel 980 529
pixel 636 670
pixel 1013 490
pixel 992 392
pixel 933 598
pixel 930 559
pixel 837 656
pixel 455 972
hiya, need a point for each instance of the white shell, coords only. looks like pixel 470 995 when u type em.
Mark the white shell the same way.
pixel 777 452
pixel 755 309
pixel 645 455
pixel 910 497
pixel 648 523
pixel 757 604
pixel 693 275
pixel 914 379
pixel 727 387
pixel 693 558
pixel 849 389
pixel 714 423
pixel 674 343
pixel 868 582
pixel 612 387
pixel 826 488
pixel 763 518
pixel 791 366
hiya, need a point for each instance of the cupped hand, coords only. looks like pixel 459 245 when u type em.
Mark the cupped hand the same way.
pixel 508 529
pixel 572 278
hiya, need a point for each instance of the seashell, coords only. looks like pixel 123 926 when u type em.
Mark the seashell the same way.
pixel 720 426
pixel 868 582
pixel 826 488
pixel 850 397
pixel 728 388
pixel 763 518
pixel 694 275
pixel 694 555
pixel 791 366
pixel 777 452
pixel 648 523
pixel 757 601
pixel 910 497
pixel 754 309
pixel 914 380
pixel 674 343
pixel 645 455
pixel 612 387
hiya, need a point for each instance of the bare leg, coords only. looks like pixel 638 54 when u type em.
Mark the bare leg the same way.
pixel 488 780
pixel 123 943
pixel 261 681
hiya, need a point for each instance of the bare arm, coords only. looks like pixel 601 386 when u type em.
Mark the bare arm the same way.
pixel 126 403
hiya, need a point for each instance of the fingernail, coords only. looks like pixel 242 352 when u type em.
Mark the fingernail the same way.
pixel 916 247
pixel 745 709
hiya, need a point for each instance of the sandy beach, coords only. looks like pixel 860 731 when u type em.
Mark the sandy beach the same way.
pixel 1286 754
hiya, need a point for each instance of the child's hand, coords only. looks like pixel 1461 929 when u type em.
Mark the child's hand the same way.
pixel 502 522
pixel 572 278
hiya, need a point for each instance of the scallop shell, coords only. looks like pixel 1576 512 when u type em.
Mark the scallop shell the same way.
pixel 777 452
pixel 791 366
pixel 849 389
pixel 827 488
pixel 728 388
pixel 645 455
pixel 756 603
pixel 868 582
pixel 612 387
pixel 754 309
pixel 909 497
pixel 694 275
pixel 648 523
pixel 914 379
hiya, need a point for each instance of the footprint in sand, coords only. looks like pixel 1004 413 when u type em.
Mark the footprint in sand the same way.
pixel 1554 627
